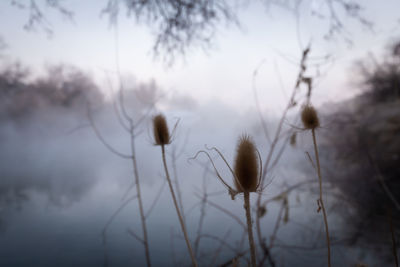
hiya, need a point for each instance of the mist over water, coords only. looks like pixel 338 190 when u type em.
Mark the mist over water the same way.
pixel 60 185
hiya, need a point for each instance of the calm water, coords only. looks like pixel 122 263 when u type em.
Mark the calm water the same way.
pixel 59 186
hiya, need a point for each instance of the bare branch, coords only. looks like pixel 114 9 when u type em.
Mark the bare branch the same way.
pixel 177 24
pixel 227 212
pixel 291 103
pixel 155 200
pixel 101 138
pixel 36 17
pixel 230 189
pixel 132 233
pixel 123 205
pixel 202 212
pixel 258 106
pixel 219 249
pixel 220 240
pixel 115 106
pixel 104 232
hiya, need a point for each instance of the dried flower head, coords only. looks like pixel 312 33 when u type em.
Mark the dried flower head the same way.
pixel 246 167
pixel 309 117
pixel 160 128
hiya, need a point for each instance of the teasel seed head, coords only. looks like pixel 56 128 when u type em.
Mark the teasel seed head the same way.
pixel 246 167
pixel 309 117
pixel 160 128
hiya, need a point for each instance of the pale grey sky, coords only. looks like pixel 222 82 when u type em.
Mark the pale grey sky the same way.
pixel 225 71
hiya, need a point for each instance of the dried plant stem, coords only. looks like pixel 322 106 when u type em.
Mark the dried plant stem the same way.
pixel 132 157
pixel 140 202
pixel 194 263
pixel 320 201
pixel 394 247
pixel 177 186
pixel 250 228
pixel 267 166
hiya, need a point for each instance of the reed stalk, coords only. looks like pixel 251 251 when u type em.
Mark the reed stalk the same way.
pixel 320 200
pixel 310 121
pixel 194 263
pixel 250 228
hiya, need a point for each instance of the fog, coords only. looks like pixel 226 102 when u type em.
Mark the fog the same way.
pixel 61 184
pixel 76 115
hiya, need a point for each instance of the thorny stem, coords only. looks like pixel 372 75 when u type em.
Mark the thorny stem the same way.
pixel 320 201
pixel 140 203
pixel 249 228
pixel 194 263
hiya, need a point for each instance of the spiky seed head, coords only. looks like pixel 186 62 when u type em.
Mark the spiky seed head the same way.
pixel 309 117
pixel 246 165
pixel 160 128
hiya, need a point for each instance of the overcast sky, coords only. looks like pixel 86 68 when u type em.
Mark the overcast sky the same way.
pixel 223 72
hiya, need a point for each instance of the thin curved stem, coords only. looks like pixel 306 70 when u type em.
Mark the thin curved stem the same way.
pixel 231 191
pixel 274 142
pixel 194 263
pixel 320 201
pixel 140 201
pixel 392 231
pixel 101 138
pixel 250 228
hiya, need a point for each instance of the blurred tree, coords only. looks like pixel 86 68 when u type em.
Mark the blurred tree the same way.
pixel 364 138
pixel 180 24
pixel 63 86
pixel 36 17
pixel 382 78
